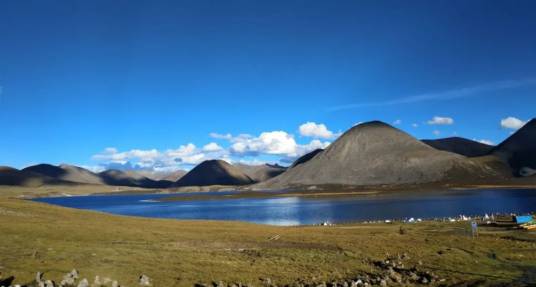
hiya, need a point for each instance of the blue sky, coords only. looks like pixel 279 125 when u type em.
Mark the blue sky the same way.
pixel 95 83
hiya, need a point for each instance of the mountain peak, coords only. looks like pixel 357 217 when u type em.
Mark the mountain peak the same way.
pixel 214 172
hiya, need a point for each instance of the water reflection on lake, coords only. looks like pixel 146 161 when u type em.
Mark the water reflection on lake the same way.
pixel 304 210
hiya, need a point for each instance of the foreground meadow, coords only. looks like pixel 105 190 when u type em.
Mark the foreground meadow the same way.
pixel 39 237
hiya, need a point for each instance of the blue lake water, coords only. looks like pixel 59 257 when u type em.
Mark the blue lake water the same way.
pixel 304 210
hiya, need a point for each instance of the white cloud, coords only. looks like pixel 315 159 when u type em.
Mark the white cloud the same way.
pixel 415 125
pixel 240 148
pixel 512 123
pixel 397 122
pixel 275 142
pixel 441 121
pixel 436 132
pixel 312 129
pixel 212 147
pixel 152 159
pixel 111 154
pixel 220 136
pixel 314 144
pixel 484 141
pixel 278 143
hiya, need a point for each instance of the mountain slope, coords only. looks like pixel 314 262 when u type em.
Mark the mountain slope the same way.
pixel 65 172
pixel 376 153
pixel 214 172
pixel 125 178
pixel 172 176
pixel 263 172
pixel 460 145
pixel 12 176
pixel 306 157
pixel 519 150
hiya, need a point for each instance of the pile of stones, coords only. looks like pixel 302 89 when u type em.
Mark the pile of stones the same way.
pixel 71 279
pixel 391 271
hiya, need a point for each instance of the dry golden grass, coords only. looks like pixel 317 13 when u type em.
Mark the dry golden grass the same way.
pixel 39 237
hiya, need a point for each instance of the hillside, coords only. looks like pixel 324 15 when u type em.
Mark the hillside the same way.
pixel 12 176
pixel 65 172
pixel 376 153
pixel 68 174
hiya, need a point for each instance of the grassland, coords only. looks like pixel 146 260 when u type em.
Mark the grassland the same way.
pixel 39 237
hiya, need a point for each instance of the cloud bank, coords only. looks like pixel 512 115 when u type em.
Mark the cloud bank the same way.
pixel 280 146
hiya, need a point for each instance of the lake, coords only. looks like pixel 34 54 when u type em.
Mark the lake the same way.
pixel 295 210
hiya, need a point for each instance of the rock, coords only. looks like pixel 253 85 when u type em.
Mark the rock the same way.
pixel 69 279
pixel 144 280
pixel 97 282
pixel 115 284
pixel 83 283
pixel 383 283
pixel 39 277
pixel 7 281
pixel 395 276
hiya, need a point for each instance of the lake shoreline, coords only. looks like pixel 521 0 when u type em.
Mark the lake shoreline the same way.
pixel 297 208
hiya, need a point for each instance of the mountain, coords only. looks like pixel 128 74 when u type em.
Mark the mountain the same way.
pixel 461 146
pixel 519 150
pixel 12 176
pixel 263 172
pixel 127 178
pixel 40 174
pixel 214 172
pixel 306 157
pixel 376 153
pixel 65 172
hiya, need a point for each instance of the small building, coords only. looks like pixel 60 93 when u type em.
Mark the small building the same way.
pixel 521 219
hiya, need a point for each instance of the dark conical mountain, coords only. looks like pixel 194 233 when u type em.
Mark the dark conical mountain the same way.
pixel 214 172
pixel 460 145
pixel 306 157
pixel 263 172
pixel 519 150
pixel 376 153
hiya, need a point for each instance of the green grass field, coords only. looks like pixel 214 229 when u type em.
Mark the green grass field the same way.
pixel 39 237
